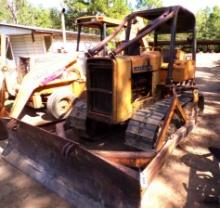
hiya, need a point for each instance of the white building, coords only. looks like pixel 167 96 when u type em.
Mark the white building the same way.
pixel 28 41
pixel 27 48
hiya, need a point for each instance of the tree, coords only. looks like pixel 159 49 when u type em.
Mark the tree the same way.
pixel 202 20
pixel 214 23
pixel 22 12
pixel 19 10
pixel 117 9
pixel 55 18
pixel 208 23
pixel 110 8
pixel 149 4
pixel 4 14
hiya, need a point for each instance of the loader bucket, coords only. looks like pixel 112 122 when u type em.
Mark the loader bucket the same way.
pixel 69 169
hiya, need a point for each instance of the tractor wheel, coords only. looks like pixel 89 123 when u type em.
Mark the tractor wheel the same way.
pixel 59 103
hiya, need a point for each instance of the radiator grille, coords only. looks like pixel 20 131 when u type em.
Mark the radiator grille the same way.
pixel 100 84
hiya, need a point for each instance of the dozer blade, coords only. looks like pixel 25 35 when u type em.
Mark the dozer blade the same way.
pixel 70 170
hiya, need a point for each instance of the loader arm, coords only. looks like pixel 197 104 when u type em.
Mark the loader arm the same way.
pixel 30 83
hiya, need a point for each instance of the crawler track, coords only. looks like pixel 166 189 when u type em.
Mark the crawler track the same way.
pixel 143 127
pixel 77 119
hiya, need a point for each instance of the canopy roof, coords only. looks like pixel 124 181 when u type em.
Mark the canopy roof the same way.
pixel 161 21
pixel 97 21
pixel 185 20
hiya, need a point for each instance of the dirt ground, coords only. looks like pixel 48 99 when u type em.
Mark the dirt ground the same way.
pixel 190 173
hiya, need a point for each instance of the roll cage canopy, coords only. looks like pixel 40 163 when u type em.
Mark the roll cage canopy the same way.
pixel 97 22
pixel 185 20
pixel 167 20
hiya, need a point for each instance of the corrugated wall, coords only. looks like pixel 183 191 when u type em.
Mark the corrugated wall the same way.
pixel 25 46
pixel 86 42
pixel 10 30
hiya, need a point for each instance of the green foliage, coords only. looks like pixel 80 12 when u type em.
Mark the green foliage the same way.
pixel 93 7
pixel 35 16
pixel 55 18
pixel 208 23
pixel 117 9
pixel 110 8
pixel 22 12
pixel 4 14
pixel 149 4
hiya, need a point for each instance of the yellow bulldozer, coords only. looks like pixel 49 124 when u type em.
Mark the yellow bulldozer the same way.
pixel 49 87
pixel 139 105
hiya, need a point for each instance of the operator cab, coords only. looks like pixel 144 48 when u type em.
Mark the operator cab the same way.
pixel 98 25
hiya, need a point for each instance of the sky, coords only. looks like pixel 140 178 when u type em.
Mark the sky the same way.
pixel 192 5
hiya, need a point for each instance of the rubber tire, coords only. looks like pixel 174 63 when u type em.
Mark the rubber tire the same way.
pixel 53 103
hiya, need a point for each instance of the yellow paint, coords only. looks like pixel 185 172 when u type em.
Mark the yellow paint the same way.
pixel 99 19
pixel 183 70
pixel 155 62
pixel 122 106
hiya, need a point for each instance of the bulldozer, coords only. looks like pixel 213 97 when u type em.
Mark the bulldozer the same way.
pixel 53 89
pixel 139 105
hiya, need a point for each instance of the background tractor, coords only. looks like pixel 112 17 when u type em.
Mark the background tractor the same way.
pixel 51 85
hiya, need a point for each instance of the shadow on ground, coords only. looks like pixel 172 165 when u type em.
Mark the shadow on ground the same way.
pixel 18 190
pixel 204 175
pixel 204 179
pixel 191 172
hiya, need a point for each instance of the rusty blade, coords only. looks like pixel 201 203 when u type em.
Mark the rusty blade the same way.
pixel 69 169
